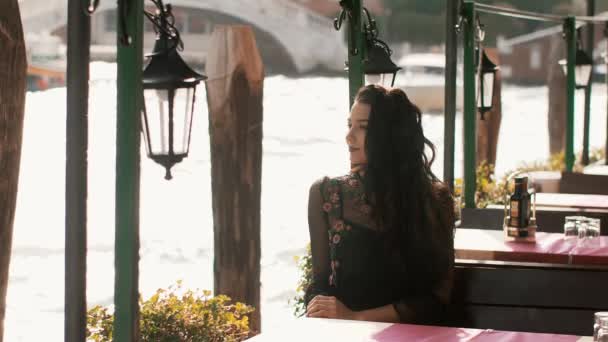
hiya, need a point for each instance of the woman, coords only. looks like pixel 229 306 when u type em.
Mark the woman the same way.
pixel 390 221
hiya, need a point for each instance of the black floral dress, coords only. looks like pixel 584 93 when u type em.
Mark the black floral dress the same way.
pixel 349 255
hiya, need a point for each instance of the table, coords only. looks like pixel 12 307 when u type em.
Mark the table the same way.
pixel 321 330
pixel 477 244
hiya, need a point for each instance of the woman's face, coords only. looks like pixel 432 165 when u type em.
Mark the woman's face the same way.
pixel 357 129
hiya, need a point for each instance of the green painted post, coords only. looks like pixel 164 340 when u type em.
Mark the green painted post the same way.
pixel 451 63
pixel 470 105
pixel 590 42
pixel 129 98
pixel 570 28
pixel 356 50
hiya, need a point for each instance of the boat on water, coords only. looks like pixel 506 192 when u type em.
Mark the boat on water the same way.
pixel 422 79
pixel 47 62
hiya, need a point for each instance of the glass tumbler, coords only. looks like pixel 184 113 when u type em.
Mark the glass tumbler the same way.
pixel 600 327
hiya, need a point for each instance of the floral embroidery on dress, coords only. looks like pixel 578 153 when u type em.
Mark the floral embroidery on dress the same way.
pixel 335 191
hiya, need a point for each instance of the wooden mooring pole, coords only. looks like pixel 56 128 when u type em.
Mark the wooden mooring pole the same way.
pixel 234 97
pixel 79 37
pixel 13 68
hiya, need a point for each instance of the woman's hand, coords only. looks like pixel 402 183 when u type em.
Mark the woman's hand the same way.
pixel 329 307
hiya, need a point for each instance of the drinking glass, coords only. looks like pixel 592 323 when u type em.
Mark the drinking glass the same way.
pixel 593 227
pixel 571 226
pixel 582 223
pixel 602 327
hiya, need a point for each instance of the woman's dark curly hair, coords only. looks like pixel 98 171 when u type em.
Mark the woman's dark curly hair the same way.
pixel 408 201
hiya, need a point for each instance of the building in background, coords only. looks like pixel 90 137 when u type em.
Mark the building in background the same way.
pixel 526 59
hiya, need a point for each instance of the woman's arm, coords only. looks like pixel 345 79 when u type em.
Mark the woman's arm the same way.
pixel 385 313
pixel 427 308
pixel 318 228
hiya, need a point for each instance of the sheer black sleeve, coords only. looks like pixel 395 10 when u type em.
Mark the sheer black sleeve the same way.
pixel 319 229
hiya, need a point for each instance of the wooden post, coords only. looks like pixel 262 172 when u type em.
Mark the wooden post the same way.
pixel 489 128
pixel 556 81
pixel 79 38
pixel 13 68
pixel 234 96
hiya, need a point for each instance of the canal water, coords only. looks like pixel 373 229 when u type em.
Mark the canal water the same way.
pixel 304 129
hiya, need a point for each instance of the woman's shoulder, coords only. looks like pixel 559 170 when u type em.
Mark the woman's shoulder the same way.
pixel 334 184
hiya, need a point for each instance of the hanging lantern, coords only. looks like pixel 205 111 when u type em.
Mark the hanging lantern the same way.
pixel 582 68
pixel 169 95
pixel 378 66
pixel 487 74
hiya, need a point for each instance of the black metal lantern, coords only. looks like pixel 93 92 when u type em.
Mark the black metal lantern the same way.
pixel 487 74
pixel 582 69
pixel 377 65
pixel 169 94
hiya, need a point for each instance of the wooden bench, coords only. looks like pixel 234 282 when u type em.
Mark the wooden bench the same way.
pixel 581 183
pixel 527 297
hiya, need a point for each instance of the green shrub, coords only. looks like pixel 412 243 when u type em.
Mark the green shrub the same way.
pixel 493 191
pixel 305 267
pixel 194 316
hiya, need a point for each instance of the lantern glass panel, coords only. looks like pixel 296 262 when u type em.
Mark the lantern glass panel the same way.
pixel 385 79
pixel 487 85
pixel 182 119
pixel 156 121
pixel 373 78
pixel 582 73
pixel 564 65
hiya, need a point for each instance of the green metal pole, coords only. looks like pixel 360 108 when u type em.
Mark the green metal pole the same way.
pixel 470 105
pixel 570 27
pixel 129 98
pixel 590 42
pixel 356 50
pixel 451 60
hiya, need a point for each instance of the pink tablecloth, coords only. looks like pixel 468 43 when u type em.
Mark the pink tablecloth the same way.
pixel 479 244
pixel 320 330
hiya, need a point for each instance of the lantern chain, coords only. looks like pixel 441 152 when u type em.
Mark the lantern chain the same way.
pixel 371 33
pixel 164 23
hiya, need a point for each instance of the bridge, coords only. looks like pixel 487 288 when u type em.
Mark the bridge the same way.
pixel 288 33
